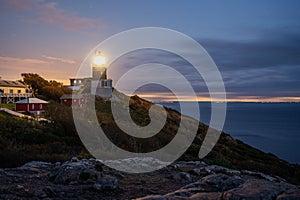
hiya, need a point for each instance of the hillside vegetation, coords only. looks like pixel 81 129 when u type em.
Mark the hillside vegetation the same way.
pixel 23 140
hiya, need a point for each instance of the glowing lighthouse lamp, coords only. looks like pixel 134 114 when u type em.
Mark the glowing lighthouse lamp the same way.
pixel 99 59
pixel 101 86
pixel 98 65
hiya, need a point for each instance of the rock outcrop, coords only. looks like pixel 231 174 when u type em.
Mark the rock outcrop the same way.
pixel 91 179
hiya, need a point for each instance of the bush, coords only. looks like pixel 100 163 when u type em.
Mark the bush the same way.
pixel 23 140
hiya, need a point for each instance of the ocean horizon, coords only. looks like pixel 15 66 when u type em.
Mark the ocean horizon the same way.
pixel 271 127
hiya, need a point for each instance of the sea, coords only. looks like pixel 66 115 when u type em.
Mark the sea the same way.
pixel 271 127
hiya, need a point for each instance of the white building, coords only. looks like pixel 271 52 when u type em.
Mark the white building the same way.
pixel 100 85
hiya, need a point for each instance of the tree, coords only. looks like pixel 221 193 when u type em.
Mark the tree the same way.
pixel 52 92
pixel 35 82
pixel 55 83
pixel 48 89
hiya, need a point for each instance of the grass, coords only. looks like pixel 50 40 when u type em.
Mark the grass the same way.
pixel 23 140
pixel 10 106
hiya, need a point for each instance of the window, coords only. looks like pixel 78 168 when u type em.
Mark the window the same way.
pixel 41 106
pixel 32 106
pixel 11 91
pixel 75 81
pixel 19 91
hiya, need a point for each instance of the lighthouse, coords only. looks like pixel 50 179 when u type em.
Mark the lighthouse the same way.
pixel 100 85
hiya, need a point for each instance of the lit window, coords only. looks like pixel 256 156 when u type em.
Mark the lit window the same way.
pixel 41 106
pixel 32 106
pixel 75 81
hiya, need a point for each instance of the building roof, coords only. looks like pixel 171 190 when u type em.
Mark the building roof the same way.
pixel 5 83
pixel 72 96
pixel 32 100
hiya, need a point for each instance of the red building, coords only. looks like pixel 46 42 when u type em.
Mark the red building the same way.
pixel 31 104
pixel 73 100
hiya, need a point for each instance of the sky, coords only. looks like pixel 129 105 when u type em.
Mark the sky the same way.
pixel 255 44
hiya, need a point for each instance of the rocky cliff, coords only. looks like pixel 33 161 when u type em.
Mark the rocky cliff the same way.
pixel 91 179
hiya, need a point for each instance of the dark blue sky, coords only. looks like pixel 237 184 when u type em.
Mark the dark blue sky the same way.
pixel 255 44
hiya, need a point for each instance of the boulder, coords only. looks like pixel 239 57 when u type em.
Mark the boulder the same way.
pixel 292 194
pixel 222 182
pixel 182 177
pixel 257 189
pixel 75 172
pixel 106 184
pixel 207 196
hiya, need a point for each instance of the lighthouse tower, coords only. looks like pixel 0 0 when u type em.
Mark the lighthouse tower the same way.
pixel 100 85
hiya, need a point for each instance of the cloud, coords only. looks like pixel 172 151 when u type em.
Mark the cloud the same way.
pixel 12 67
pixel 26 61
pixel 265 67
pixel 40 11
pixel 63 60
pixel 272 48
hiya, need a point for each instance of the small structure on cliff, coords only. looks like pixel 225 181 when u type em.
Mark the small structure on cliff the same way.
pixel 73 100
pixel 12 91
pixel 33 105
